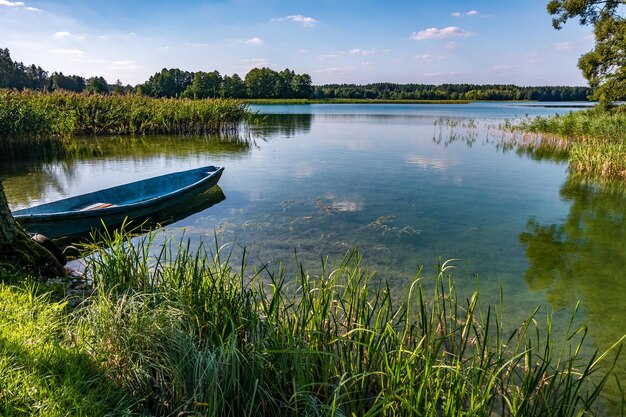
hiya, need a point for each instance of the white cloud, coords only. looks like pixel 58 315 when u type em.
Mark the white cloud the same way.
pixel 66 35
pixel 337 70
pixel 328 56
pixel 69 52
pixel 443 33
pixel 430 57
pixel 564 46
pixel 18 4
pixel 11 3
pixel 441 74
pixel 257 63
pixel 500 69
pixel 197 45
pixel 128 64
pixel 305 21
pixel 468 13
pixel 362 52
pixel 451 45
pixel 254 41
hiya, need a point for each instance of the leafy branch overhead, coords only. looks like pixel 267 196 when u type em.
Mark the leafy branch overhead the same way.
pixel 604 66
pixel 587 11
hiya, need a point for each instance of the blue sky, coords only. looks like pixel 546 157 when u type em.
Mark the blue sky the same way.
pixel 335 41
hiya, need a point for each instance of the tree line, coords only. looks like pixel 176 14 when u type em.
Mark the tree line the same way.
pixel 269 84
pixel 391 91
pixel 258 82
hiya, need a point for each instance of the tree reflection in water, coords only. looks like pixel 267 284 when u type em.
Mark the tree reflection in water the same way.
pixel 585 259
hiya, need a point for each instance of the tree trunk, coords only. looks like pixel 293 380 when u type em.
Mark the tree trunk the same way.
pixel 18 252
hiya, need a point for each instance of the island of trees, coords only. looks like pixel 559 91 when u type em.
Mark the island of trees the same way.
pixel 265 83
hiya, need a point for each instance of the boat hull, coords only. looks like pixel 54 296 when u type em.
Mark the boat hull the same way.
pixel 141 200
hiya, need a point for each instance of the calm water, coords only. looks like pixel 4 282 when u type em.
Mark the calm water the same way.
pixel 407 184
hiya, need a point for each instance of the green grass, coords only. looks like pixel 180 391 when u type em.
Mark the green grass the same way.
pixel 64 114
pixel 42 372
pixel 348 101
pixel 176 332
pixel 594 140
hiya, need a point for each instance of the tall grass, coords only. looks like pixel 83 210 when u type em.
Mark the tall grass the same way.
pixel 187 334
pixel 595 140
pixel 64 114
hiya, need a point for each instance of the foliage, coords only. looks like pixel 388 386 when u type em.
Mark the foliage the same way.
pixel 605 66
pixel 204 85
pixel 69 83
pixel 97 85
pixel 232 87
pixel 167 83
pixel 65 114
pixel 588 11
pixel 17 75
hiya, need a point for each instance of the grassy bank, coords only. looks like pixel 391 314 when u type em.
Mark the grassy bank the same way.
pixel 64 114
pixel 348 101
pixel 183 333
pixel 594 140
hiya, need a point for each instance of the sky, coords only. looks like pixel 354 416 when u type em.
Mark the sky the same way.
pixel 334 41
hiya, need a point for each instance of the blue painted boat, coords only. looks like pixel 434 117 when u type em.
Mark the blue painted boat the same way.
pixel 112 206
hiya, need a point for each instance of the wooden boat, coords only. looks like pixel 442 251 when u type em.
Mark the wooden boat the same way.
pixel 112 206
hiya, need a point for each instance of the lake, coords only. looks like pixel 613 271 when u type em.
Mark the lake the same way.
pixel 406 184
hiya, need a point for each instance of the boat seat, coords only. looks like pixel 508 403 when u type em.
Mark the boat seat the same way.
pixel 97 206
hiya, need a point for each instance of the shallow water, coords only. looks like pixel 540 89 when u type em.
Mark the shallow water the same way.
pixel 406 184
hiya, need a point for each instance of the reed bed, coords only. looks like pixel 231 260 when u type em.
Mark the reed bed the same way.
pixel 65 114
pixel 594 140
pixel 183 332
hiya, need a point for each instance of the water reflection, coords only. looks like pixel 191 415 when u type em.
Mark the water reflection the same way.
pixel 46 175
pixel 583 258
pixel 280 124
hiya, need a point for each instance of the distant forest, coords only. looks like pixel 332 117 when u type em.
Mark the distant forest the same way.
pixel 264 83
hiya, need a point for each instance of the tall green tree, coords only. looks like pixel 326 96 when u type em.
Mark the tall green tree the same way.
pixel 97 85
pixel 233 87
pixel 204 85
pixel 262 83
pixel 604 66
pixel 301 86
pixel 282 88
pixel 67 82
pixel 167 83
pixel 17 75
